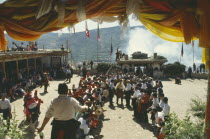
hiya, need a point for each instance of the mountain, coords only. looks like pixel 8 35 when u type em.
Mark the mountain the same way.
pixel 135 39
pixel 83 48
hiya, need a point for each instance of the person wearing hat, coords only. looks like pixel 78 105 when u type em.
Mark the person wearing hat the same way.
pixel 128 91
pixel 120 87
pixel 111 92
pixel 45 82
pixel 68 75
pixel 5 108
pixel 29 105
pixel 63 109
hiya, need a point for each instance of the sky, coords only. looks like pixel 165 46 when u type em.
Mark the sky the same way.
pixel 80 27
pixel 140 39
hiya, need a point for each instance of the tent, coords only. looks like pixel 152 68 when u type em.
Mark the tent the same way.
pixel 172 20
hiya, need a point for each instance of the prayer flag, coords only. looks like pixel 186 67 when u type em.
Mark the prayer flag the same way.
pixel 182 51
pixel 111 49
pixel 74 29
pixel 98 35
pixel 87 31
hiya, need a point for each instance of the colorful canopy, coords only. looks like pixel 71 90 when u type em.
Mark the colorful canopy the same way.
pixel 172 20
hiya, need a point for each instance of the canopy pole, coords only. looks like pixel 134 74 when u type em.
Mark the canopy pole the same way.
pixel 17 69
pixel 207 117
pixel 27 67
pixel 35 64
pixel 41 64
pixel 97 51
pixel 3 67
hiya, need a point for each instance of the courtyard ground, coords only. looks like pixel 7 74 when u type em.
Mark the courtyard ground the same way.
pixel 118 122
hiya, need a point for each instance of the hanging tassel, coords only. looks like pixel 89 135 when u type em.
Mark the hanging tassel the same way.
pixel 124 22
pixel 100 19
pixel 133 7
pixel 81 14
pixel 60 9
pixel 45 8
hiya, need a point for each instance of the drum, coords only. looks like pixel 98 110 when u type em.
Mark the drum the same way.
pixel 106 93
pixel 99 111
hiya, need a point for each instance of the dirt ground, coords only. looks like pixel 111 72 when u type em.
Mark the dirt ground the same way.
pixel 118 122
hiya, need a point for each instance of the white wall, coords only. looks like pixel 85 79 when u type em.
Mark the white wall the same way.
pixel 46 61
pixel 154 65
pixel 125 65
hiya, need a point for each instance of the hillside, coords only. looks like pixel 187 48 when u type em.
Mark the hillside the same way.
pixel 84 48
pixel 136 39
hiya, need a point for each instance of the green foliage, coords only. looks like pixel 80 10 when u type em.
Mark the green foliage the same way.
pixel 160 57
pixel 14 132
pixel 183 129
pixel 139 55
pixel 103 67
pixel 186 129
pixel 174 69
pixel 198 108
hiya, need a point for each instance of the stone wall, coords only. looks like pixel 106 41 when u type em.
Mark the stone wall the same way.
pixel 200 75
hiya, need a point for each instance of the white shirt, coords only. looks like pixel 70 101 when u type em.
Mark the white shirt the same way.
pixel 68 71
pixel 155 102
pixel 63 108
pixel 137 94
pixel 152 83
pixel 144 86
pixel 161 104
pixel 84 126
pixel 5 104
pixel 111 85
pixel 166 109
pixel 85 98
pixel 128 87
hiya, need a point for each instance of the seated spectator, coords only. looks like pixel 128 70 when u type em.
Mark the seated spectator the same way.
pixel 14 46
pixel 62 48
pixel 166 108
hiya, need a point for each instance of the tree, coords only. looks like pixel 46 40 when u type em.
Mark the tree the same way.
pixel 139 55
pixel 160 57
pixel 103 67
pixel 174 69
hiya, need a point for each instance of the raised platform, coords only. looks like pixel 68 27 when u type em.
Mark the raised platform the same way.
pixel 21 55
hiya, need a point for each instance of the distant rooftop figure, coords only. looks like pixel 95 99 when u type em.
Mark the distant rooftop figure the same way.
pixel 62 48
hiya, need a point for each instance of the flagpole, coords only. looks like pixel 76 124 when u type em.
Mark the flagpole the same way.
pixel 111 50
pixel 193 52
pixel 97 41
pixel 97 50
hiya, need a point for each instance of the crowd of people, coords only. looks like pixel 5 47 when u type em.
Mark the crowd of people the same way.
pixel 22 47
pixel 141 93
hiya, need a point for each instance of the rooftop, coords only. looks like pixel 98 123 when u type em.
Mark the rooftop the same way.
pixel 21 55
pixel 140 61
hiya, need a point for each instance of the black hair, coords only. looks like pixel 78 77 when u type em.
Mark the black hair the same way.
pixel 161 95
pixel 160 90
pixel 154 95
pixel 154 109
pixel 165 99
pixel 162 123
pixel 62 88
